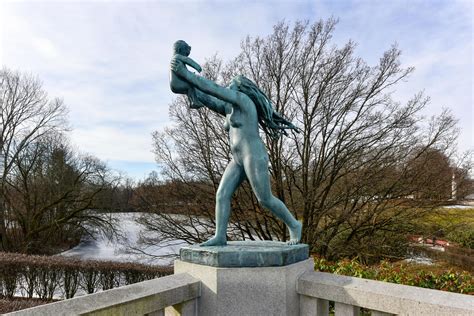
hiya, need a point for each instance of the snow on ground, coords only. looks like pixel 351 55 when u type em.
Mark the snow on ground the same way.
pixel 127 247
pixel 420 260
pixel 459 206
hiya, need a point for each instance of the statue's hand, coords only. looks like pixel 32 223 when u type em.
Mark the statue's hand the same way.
pixel 198 68
pixel 177 66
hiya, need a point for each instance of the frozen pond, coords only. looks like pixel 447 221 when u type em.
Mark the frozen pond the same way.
pixel 127 247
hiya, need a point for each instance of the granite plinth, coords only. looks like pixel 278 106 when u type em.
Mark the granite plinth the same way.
pixel 245 254
pixel 247 290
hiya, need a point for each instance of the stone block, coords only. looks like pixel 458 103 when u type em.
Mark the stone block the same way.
pixel 247 290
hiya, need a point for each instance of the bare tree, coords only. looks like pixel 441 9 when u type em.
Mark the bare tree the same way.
pixel 48 192
pixel 348 175
pixel 53 194
pixel 26 114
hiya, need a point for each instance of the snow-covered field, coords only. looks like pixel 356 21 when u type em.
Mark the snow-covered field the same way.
pixel 127 247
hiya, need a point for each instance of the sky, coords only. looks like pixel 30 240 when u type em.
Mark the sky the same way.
pixel 109 60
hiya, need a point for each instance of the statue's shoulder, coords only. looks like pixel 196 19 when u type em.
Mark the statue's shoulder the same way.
pixel 245 102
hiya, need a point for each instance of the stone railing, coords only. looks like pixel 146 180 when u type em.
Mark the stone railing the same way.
pixel 349 294
pixel 177 293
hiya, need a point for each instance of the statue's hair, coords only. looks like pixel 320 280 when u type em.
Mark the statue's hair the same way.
pixel 179 45
pixel 272 123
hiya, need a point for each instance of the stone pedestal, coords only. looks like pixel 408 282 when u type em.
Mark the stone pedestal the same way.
pixel 249 289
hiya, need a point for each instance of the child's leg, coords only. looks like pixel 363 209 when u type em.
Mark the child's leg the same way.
pixel 195 102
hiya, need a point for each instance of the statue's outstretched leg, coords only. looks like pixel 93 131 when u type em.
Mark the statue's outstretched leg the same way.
pixel 259 178
pixel 233 176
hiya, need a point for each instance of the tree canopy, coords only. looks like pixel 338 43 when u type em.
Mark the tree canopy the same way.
pixel 351 176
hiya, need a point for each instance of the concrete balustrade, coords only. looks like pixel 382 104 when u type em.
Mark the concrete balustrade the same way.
pixel 288 290
pixel 316 289
pixel 179 292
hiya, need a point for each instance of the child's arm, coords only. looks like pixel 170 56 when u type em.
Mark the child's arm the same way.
pixel 189 61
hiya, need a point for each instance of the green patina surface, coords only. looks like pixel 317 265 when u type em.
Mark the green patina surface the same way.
pixel 245 107
pixel 246 254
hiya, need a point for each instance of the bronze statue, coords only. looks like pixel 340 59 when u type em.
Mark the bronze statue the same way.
pixel 244 107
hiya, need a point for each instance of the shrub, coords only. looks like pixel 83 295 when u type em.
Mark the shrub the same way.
pixel 11 305
pixel 464 238
pixel 46 276
pixel 431 277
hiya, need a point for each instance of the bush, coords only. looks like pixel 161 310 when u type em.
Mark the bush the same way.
pixel 46 277
pixel 464 238
pixel 431 277
pixel 462 258
pixel 455 225
pixel 11 305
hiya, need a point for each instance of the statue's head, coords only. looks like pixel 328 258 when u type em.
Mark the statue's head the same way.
pixel 272 122
pixel 182 48
pixel 247 86
pixel 242 84
pixel 234 84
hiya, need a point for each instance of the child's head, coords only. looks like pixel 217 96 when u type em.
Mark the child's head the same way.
pixel 182 48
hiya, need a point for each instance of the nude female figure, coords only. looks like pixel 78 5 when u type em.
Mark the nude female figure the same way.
pixel 244 106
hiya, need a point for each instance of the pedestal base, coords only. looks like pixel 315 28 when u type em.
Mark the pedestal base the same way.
pixel 245 254
pixel 247 291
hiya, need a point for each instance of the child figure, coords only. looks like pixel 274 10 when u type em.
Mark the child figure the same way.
pixel 181 53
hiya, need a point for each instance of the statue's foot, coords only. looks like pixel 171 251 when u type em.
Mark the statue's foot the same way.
pixel 215 241
pixel 295 234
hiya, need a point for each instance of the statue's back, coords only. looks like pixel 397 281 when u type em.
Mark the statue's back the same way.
pixel 177 85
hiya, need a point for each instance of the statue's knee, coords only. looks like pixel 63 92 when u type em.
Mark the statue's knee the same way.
pixel 221 196
pixel 265 201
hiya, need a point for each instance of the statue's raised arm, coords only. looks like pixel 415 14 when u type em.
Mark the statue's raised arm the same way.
pixel 203 84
